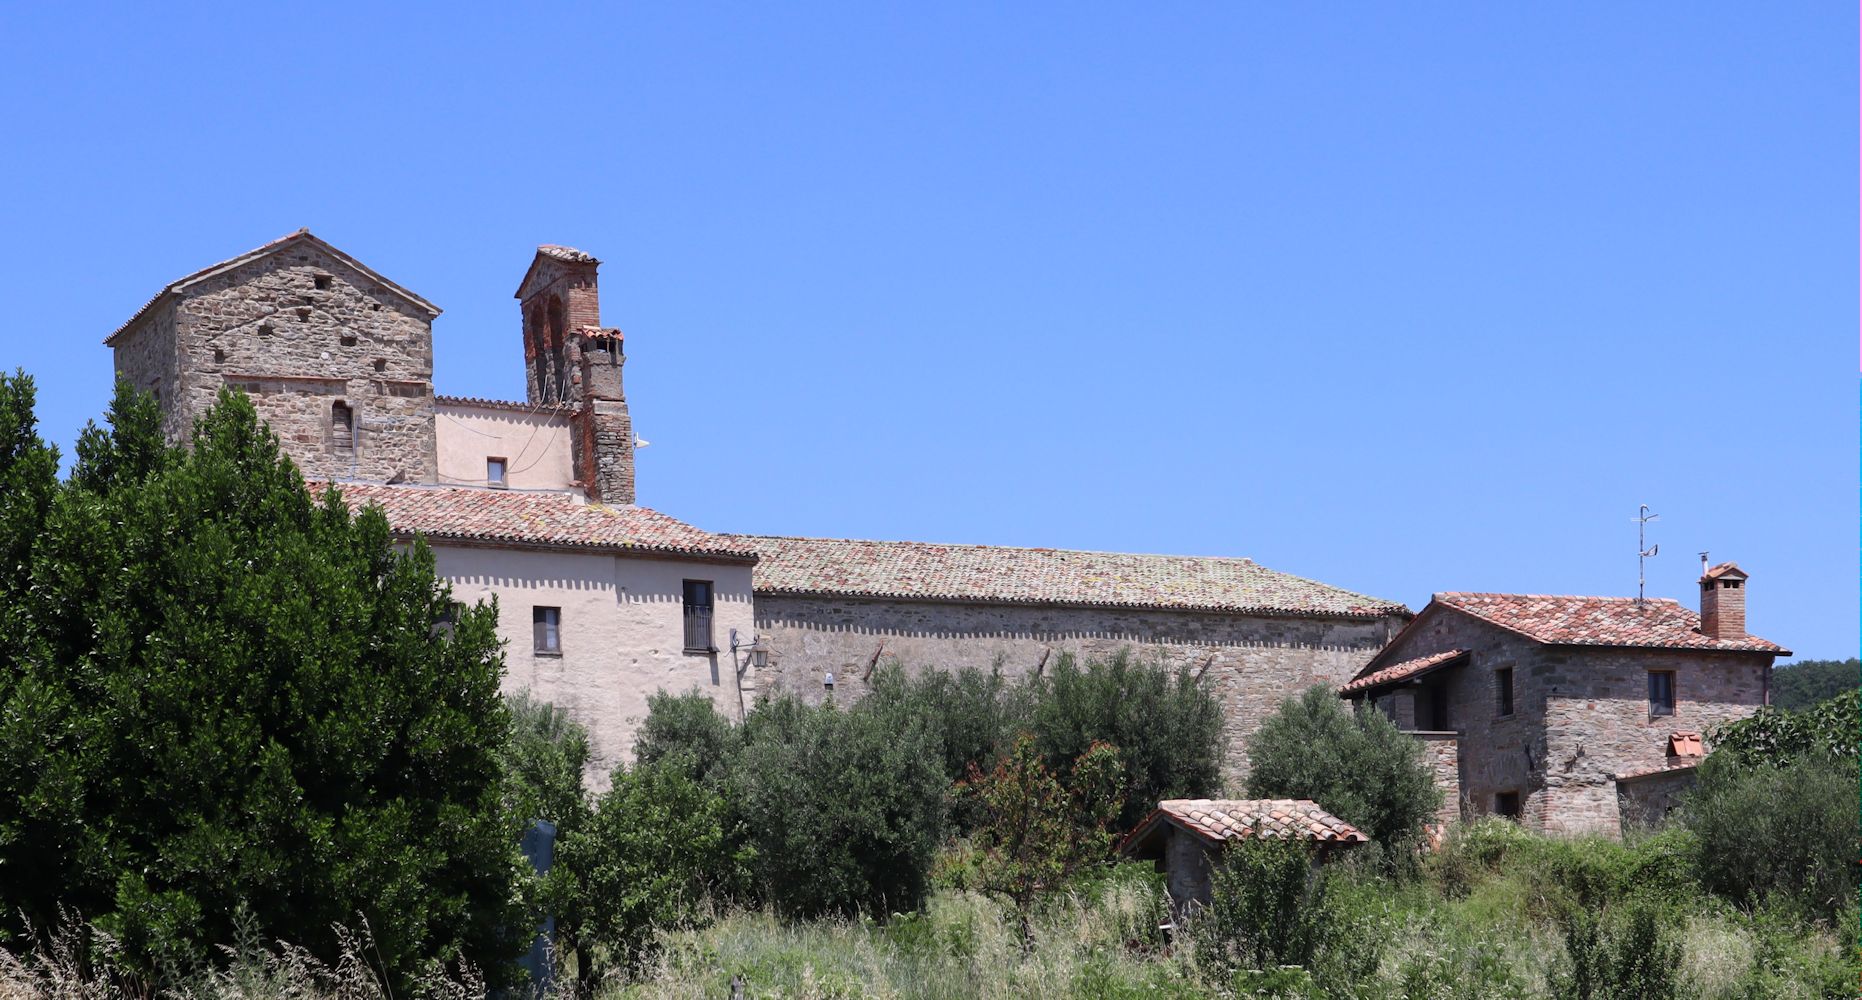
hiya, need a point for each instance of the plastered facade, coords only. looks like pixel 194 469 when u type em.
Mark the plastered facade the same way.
pixel 622 633
pixel 1251 662
pixel 533 441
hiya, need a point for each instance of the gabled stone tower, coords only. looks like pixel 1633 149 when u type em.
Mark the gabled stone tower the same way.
pixel 337 358
pixel 572 361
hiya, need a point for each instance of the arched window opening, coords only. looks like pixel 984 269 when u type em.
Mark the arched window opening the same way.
pixel 559 361
pixel 342 429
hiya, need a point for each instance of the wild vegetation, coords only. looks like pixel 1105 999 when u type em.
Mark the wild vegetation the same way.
pixel 1797 686
pixel 249 748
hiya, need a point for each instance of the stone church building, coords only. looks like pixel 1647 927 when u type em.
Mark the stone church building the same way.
pixel 603 601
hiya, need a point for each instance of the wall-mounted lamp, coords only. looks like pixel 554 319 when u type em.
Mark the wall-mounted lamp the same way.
pixel 758 647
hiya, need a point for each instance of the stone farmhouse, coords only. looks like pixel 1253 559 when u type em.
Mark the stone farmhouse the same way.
pixel 602 601
pixel 1571 713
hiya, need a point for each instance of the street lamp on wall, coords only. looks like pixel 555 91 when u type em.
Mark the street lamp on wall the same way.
pixel 758 647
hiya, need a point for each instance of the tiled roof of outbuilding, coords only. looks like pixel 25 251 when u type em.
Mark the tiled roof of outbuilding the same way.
pixel 1600 621
pixel 1218 820
pixel 570 254
pixel 1001 574
pixel 541 519
pixel 1406 670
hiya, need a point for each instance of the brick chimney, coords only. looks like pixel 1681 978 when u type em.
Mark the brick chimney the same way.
pixel 575 363
pixel 1722 601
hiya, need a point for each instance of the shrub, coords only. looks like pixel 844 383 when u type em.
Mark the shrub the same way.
pixel 1268 908
pixel 689 727
pixel 657 847
pixel 228 694
pixel 974 715
pixel 1634 956
pixel 845 811
pixel 1774 736
pixel 1166 725
pixel 543 764
pixel 1037 828
pixel 1786 832
pixel 1356 765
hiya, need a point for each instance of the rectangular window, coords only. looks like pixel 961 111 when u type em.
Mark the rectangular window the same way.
pixel 698 616
pixel 1506 804
pixel 494 471
pixel 1503 689
pixel 547 625
pixel 1661 692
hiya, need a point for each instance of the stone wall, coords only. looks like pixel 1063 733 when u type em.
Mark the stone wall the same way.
pixel 1598 724
pixel 145 355
pixel 1252 662
pixel 1645 802
pixel 1443 753
pixel 301 332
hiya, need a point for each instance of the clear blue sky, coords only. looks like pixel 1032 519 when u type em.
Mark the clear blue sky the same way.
pixel 1401 297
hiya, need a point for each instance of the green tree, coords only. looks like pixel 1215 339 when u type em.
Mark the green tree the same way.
pixel 1356 765
pixel 1037 828
pixel 1777 736
pixel 1800 685
pixel 1167 727
pixel 657 846
pixel 845 811
pixel 688 728
pixel 241 703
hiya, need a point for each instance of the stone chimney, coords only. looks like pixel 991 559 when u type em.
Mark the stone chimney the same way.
pixel 1722 601
pixel 575 363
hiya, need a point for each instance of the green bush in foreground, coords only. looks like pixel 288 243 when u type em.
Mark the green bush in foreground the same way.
pixel 1268 909
pixel 1357 765
pixel 1786 834
pixel 845 811
pixel 225 696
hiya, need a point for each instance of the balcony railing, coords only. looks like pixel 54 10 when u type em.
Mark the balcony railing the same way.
pixel 698 628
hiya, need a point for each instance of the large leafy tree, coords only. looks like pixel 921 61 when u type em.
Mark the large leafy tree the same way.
pixel 224 696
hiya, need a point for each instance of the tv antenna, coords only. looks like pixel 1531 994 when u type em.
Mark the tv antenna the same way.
pixel 1643 549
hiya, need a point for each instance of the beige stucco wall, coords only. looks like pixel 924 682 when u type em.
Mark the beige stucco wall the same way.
pixel 622 633
pixel 534 444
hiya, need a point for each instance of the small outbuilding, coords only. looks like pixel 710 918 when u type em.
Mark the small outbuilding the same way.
pixel 1183 836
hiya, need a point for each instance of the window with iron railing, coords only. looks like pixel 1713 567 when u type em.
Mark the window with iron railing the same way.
pixel 698 616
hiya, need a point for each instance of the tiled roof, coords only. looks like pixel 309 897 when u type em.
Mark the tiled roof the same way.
pixel 1724 569
pixel 570 254
pixel 1218 820
pixel 1406 670
pixel 1600 621
pixel 999 574
pixel 544 519
pixel 303 235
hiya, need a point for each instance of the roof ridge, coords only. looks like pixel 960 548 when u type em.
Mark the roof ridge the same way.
pixel 1012 548
pixel 1559 597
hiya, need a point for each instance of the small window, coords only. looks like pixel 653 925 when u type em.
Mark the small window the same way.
pixel 547 625
pixel 494 471
pixel 1506 804
pixel 1503 688
pixel 342 427
pixel 323 282
pixel 347 340
pixel 698 616
pixel 449 617
pixel 1661 692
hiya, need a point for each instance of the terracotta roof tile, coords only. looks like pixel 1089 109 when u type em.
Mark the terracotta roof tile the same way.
pixel 1406 670
pixel 1218 820
pixel 548 519
pixel 1000 574
pixel 570 254
pixel 1600 621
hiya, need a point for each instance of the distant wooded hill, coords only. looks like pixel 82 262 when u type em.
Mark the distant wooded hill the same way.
pixel 1797 686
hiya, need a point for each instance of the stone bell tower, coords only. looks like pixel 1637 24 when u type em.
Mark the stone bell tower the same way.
pixel 573 362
